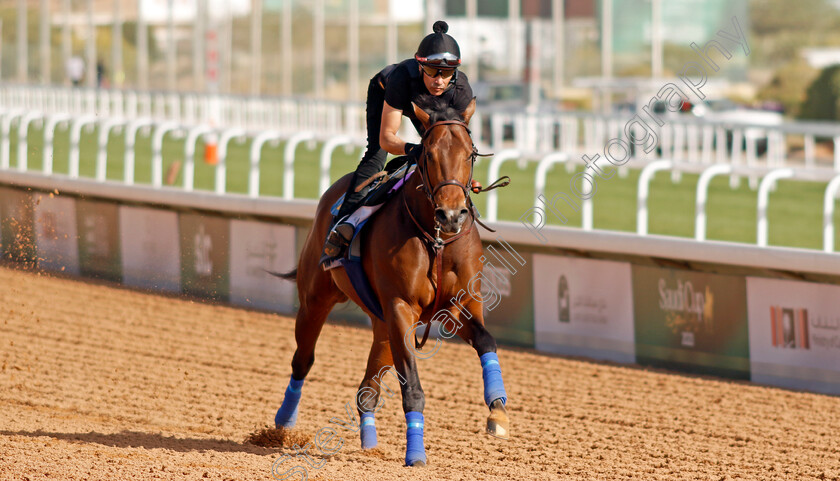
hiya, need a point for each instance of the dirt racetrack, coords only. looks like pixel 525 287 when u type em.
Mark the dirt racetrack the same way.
pixel 104 383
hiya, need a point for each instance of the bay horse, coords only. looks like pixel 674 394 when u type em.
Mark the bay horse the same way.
pixel 421 254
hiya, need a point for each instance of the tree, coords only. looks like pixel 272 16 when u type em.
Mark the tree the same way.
pixel 788 85
pixel 822 101
pixel 781 28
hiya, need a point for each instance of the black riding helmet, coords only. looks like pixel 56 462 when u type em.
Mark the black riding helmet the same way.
pixel 439 49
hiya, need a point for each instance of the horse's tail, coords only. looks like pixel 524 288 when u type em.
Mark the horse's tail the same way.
pixel 289 276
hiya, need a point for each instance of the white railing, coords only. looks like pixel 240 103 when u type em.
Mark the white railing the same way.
pixel 768 175
pixel 326 159
pixel 194 134
pixel 493 174
pixel 105 128
pixel 648 172
pixel 289 160
pixel 50 127
pixel 682 138
pixel 23 137
pixel 158 131
pixel 75 137
pixel 703 194
pixel 130 138
pixel 5 128
pixel 256 153
pixel 287 115
pixel 543 167
pixel 157 149
pixel 227 136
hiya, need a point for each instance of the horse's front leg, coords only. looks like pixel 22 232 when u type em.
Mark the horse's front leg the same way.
pixel 472 330
pixel 400 317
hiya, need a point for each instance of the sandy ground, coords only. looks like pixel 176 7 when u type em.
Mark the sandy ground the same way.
pixel 104 383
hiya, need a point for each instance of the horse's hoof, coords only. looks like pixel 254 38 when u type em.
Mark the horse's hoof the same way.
pixel 284 420
pixel 418 464
pixel 498 423
pixel 285 423
pixel 369 440
pixel 368 445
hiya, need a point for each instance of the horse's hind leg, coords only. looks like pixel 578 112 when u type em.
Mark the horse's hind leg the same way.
pixel 367 397
pixel 318 294
pixel 474 333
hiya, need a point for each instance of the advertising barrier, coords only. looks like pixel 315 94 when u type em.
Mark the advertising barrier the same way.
pixel 150 248
pixel 794 334
pixel 56 238
pixel 257 247
pixel 97 225
pixel 583 307
pixel 512 320
pixel 16 237
pixel 205 249
pixel 692 321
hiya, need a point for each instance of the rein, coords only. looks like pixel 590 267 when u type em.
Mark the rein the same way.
pixel 436 242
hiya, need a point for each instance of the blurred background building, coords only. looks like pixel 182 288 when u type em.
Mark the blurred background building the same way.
pixel 556 51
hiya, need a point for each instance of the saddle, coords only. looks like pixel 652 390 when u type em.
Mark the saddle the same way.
pixel 380 188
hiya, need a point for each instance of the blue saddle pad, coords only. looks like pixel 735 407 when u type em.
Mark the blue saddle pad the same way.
pixel 358 278
pixel 352 261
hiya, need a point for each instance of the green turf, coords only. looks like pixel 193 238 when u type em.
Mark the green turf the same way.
pixel 795 211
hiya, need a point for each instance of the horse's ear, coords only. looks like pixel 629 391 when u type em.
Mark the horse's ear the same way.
pixel 421 115
pixel 468 113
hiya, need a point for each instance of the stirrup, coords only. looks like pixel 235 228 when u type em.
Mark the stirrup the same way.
pixel 338 239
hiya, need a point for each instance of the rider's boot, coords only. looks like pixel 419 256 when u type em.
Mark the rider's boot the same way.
pixel 338 239
pixel 341 231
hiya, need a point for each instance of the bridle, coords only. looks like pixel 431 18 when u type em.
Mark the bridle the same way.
pixel 430 193
pixel 422 167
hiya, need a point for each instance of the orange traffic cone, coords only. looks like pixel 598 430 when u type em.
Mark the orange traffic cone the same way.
pixel 211 152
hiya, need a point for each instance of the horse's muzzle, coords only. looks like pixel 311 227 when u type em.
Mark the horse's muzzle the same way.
pixel 451 220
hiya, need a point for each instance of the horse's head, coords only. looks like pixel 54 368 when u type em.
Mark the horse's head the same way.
pixel 446 165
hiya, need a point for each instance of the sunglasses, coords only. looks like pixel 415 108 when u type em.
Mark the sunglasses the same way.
pixel 434 71
pixel 440 59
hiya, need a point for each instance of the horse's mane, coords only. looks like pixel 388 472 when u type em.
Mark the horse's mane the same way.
pixel 438 109
pixel 447 113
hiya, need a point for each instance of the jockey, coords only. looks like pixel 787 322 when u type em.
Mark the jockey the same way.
pixel 430 80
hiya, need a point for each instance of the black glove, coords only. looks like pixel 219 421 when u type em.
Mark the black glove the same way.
pixel 413 151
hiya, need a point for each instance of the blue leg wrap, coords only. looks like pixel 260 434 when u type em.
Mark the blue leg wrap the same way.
pixel 494 387
pixel 414 449
pixel 368 431
pixel 287 414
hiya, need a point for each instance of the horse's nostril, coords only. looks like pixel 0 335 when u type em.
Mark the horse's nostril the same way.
pixel 464 212
pixel 440 215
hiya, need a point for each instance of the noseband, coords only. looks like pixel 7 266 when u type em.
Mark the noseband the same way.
pixel 436 241
pixel 430 192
